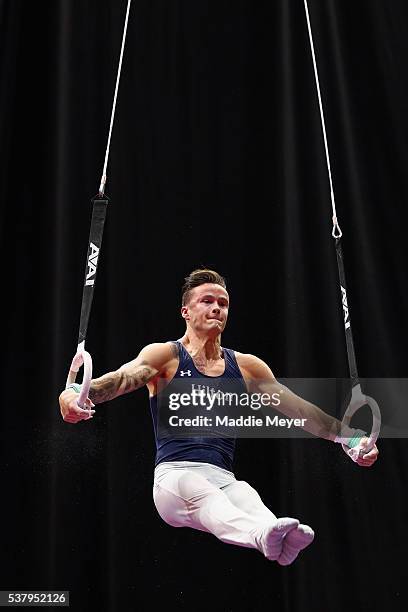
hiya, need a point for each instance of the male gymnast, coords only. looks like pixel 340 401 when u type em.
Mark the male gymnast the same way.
pixel 194 483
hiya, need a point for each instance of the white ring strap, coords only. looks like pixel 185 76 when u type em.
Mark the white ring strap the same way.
pixel 336 231
pixel 115 97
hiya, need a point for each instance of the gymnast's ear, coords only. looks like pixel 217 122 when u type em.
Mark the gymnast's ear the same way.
pixel 185 313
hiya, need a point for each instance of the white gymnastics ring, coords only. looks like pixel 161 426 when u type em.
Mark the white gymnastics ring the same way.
pixel 82 358
pixel 358 399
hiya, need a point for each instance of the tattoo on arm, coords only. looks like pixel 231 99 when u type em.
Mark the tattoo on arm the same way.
pixel 117 383
pixel 174 349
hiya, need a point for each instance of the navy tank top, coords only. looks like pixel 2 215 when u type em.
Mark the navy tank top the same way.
pixel 215 450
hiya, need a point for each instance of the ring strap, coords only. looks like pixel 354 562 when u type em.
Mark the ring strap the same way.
pixel 99 207
pixel 351 356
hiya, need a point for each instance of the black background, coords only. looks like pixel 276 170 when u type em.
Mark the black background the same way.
pixel 217 159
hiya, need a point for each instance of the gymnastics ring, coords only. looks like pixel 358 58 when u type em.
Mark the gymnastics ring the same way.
pixel 358 399
pixel 82 358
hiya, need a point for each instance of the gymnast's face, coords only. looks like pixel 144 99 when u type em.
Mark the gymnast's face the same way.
pixel 207 309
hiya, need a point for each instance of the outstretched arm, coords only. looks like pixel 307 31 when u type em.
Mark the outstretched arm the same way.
pixel 260 379
pixel 150 362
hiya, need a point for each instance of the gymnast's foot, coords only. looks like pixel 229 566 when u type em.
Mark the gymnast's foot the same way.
pixel 295 541
pixel 273 537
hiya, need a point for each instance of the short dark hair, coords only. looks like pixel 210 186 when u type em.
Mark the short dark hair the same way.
pixel 200 277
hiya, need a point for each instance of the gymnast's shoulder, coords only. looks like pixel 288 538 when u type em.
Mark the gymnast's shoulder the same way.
pixel 159 351
pixel 157 355
pixel 252 366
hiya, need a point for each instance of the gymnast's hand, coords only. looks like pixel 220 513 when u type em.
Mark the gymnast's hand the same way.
pixel 70 411
pixel 366 460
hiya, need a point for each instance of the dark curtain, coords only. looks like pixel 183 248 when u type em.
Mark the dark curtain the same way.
pixel 217 159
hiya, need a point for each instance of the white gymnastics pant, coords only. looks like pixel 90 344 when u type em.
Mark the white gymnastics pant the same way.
pixel 208 498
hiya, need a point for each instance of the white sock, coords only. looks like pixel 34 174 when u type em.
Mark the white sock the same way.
pixel 273 536
pixel 295 541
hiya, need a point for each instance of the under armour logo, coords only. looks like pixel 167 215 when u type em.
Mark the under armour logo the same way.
pixel 186 373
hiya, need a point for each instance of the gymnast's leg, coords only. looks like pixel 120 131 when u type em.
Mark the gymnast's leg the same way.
pixel 245 497
pixel 184 498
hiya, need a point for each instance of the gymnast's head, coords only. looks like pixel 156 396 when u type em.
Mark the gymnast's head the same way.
pixel 205 302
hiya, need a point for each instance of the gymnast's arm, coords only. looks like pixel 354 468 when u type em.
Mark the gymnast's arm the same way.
pixel 259 378
pixel 151 362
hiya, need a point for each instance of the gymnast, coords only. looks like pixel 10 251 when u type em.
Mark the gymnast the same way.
pixel 194 481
